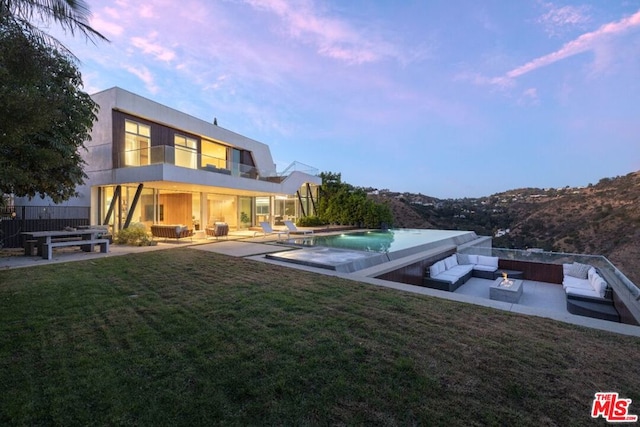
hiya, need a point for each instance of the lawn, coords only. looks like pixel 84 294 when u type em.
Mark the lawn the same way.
pixel 186 337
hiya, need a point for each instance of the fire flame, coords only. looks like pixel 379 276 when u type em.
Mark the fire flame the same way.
pixel 504 276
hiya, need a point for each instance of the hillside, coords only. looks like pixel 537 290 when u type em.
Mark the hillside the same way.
pixel 599 219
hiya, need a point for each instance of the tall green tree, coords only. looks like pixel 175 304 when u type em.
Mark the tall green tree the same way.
pixel 45 117
pixel 342 203
pixel 71 15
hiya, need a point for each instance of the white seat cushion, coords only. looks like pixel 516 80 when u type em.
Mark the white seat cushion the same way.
pixel 484 267
pixel 574 282
pixel 582 292
pixel 460 270
pixel 451 278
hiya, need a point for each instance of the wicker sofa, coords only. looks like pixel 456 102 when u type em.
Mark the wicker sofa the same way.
pixel 450 273
pixel 588 294
pixel 171 231
pixel 219 229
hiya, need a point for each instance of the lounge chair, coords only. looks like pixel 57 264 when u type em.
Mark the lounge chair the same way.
pixel 294 230
pixel 266 229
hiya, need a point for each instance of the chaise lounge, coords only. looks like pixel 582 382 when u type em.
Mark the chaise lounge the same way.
pixel 267 229
pixel 295 230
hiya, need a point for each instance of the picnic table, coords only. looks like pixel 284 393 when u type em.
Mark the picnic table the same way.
pixel 45 241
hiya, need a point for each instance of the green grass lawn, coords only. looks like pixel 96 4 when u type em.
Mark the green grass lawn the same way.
pixel 186 337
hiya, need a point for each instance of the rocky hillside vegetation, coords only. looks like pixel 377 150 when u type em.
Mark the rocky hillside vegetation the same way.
pixel 599 219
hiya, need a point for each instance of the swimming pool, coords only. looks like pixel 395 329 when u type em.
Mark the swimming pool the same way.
pixel 380 241
pixel 349 252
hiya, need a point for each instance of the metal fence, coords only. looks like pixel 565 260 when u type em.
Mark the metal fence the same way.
pixel 14 220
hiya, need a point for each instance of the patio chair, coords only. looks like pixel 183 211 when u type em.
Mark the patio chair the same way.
pixel 266 229
pixel 294 230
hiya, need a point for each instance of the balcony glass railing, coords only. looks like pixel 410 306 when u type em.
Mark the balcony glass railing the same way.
pixel 625 289
pixel 187 158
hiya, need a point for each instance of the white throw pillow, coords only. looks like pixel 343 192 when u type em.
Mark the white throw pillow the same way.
pixel 600 286
pixel 579 270
pixel 473 259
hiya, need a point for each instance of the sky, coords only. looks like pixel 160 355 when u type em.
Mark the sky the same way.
pixel 448 98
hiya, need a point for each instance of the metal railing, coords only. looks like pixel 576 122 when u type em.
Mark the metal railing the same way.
pixel 190 159
pixel 185 158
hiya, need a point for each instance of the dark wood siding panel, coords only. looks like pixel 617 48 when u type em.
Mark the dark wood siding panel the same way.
pixel 160 134
pixel 118 138
pixel 246 158
pixel 413 274
pixel 541 272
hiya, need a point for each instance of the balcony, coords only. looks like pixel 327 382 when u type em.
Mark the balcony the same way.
pixel 165 154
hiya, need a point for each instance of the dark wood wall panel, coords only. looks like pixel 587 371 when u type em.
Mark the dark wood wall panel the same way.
pixel 542 272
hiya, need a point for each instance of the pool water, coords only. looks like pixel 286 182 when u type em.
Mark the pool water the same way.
pixel 350 252
pixel 380 241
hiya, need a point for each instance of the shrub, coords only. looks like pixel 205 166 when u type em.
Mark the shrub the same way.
pixel 310 221
pixel 134 235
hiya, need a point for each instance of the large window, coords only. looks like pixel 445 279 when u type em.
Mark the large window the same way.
pixel 213 155
pixel 186 151
pixel 262 209
pixel 137 143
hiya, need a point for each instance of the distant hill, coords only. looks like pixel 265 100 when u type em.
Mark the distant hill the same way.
pixel 599 219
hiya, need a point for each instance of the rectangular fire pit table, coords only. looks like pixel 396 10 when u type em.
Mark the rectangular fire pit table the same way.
pixel 507 293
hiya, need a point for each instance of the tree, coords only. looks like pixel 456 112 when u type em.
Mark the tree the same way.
pixel 341 203
pixel 71 15
pixel 44 117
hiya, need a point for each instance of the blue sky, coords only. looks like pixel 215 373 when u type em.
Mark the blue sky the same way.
pixel 444 98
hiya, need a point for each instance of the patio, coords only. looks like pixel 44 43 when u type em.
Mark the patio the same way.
pixel 538 295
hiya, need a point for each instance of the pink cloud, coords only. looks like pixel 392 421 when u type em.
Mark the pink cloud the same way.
pixel 333 38
pixel 105 27
pixel 145 75
pixel 585 42
pixel 557 19
pixel 149 47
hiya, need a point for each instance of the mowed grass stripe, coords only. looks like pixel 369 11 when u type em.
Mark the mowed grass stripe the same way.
pixel 185 337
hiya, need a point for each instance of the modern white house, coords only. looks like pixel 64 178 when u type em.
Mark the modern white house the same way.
pixel 152 164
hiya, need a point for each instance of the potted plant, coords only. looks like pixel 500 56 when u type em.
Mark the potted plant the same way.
pixel 244 219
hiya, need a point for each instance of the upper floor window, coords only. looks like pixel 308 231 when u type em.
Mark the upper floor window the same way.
pixel 137 143
pixel 213 155
pixel 186 151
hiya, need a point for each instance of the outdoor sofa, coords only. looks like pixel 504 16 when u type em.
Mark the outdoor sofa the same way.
pixel 453 271
pixel 588 294
pixel 171 231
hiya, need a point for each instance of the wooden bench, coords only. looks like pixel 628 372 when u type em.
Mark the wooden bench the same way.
pixel 47 249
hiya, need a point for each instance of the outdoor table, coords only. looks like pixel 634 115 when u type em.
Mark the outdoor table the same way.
pixel 45 237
